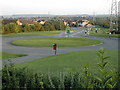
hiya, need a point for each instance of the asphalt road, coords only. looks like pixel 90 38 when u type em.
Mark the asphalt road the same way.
pixel 41 52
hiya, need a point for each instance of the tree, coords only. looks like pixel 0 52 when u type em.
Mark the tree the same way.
pixel 47 26
pixel 27 28
pixel 10 28
pixel 42 28
pixel 37 27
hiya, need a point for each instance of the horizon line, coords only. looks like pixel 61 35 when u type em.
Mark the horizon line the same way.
pixel 51 14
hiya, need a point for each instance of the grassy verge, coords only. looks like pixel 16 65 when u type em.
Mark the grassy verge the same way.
pixel 102 32
pixel 5 56
pixel 32 33
pixel 106 35
pixel 61 42
pixel 72 62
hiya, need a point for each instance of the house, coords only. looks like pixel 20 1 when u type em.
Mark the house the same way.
pixel 89 25
pixel 79 23
pixel 25 21
pixel 85 23
pixel 65 23
pixel 42 22
pixel 74 23
pixel 18 22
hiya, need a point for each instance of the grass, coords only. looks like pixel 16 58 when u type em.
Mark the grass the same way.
pixel 61 42
pixel 106 35
pixel 5 56
pixel 103 32
pixel 71 62
pixel 32 33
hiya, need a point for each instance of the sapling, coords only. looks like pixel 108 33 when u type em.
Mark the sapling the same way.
pixel 87 78
pixel 106 77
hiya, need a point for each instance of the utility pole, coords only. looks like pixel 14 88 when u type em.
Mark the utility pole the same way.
pixel 94 18
pixel 49 14
pixel 118 16
pixel 114 16
pixel 60 24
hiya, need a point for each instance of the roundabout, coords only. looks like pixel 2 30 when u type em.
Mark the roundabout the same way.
pixel 41 52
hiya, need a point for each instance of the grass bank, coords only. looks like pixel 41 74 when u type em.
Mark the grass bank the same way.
pixel 106 35
pixel 5 56
pixel 24 78
pixel 61 42
pixel 32 33
pixel 102 32
pixel 72 62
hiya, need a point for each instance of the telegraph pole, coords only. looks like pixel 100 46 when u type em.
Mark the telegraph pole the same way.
pixel 94 18
pixel 114 16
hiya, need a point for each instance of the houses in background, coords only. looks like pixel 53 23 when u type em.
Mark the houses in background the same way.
pixel 79 23
pixel 66 20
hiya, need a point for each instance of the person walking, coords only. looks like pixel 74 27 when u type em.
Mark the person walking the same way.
pixel 96 30
pixel 110 32
pixel 85 32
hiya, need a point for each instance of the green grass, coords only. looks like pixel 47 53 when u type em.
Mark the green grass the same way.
pixel 106 35
pixel 71 62
pixel 5 56
pixel 103 32
pixel 32 33
pixel 61 42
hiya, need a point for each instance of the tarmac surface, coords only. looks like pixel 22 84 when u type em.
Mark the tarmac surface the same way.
pixel 41 52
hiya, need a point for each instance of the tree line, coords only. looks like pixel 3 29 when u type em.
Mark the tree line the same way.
pixel 104 22
pixel 13 27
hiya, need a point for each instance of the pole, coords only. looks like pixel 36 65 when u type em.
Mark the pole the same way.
pixel 114 16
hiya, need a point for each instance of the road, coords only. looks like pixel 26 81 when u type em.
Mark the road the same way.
pixel 41 52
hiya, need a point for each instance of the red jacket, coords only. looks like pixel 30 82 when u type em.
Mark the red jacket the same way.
pixel 54 47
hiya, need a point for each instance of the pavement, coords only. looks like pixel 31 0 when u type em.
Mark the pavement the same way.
pixel 41 52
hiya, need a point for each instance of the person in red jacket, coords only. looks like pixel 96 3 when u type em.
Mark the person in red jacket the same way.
pixel 55 47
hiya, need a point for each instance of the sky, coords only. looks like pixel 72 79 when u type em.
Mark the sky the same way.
pixel 56 7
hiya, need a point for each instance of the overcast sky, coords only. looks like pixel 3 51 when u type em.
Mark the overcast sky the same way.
pixel 9 7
